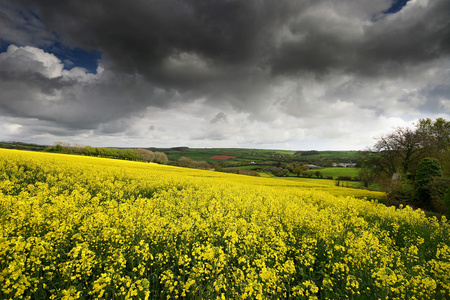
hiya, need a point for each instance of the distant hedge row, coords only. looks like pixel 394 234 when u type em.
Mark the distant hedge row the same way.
pixel 116 153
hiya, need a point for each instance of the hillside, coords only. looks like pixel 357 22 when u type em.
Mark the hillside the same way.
pixel 86 227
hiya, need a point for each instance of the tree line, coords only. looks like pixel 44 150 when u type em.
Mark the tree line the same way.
pixel 138 154
pixel 412 165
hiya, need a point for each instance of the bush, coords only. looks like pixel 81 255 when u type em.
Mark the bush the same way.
pixel 308 174
pixel 426 171
pixel 248 172
pixel 402 193
pixel 280 172
pixel 344 177
pixel 439 188
pixel 446 200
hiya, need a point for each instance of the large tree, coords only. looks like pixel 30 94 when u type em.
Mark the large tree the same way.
pixel 402 150
pixel 437 135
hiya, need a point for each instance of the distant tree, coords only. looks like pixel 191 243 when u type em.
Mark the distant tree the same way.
pixel 328 163
pixel 367 175
pixel 186 162
pixel 217 167
pixel 298 171
pixel 160 157
pixel 280 172
pixel 56 148
pixel 318 174
pixel 311 152
pixel 90 151
pixel 203 165
pixel 101 152
pixel 307 174
pixel 145 155
pixel 130 154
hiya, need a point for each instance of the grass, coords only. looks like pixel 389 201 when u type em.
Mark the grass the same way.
pixel 335 172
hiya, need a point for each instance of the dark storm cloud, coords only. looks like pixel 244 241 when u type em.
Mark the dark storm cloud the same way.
pixel 419 35
pixel 22 26
pixel 272 62
pixel 140 36
pixel 143 36
pixel 386 46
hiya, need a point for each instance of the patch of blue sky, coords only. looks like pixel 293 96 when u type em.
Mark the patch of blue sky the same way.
pixel 76 57
pixel 396 6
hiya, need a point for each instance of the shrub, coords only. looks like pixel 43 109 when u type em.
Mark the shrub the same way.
pixel 344 177
pixel 446 200
pixel 401 193
pixel 426 171
pixel 308 174
pixel 439 187
pixel 248 172
pixel 280 172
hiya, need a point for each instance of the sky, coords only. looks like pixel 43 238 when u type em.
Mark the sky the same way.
pixel 285 74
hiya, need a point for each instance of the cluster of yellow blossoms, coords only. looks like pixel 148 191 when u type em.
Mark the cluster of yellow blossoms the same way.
pixel 76 227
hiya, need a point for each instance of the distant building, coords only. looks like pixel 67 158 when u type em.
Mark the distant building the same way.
pixel 344 165
pixel 312 166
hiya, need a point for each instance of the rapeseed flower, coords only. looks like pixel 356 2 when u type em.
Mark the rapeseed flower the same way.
pixel 76 227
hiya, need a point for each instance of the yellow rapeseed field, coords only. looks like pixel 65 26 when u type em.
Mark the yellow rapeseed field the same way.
pixel 75 227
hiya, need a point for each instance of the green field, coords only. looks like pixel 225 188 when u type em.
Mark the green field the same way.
pixel 335 172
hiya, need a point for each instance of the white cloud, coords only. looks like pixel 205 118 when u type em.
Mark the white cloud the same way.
pixel 30 59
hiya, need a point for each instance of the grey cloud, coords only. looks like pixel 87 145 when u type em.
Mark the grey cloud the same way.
pixel 415 35
pixel 139 37
pixel 32 87
pixel 219 118
pixel 227 37
pixel 261 59
pixel 22 27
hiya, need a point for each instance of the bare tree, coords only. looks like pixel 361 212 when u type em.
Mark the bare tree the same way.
pixel 402 150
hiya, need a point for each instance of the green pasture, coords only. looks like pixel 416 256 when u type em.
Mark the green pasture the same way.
pixel 335 172
pixel 333 154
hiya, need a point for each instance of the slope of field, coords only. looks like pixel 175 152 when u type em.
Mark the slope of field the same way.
pixel 76 227
pixel 335 172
